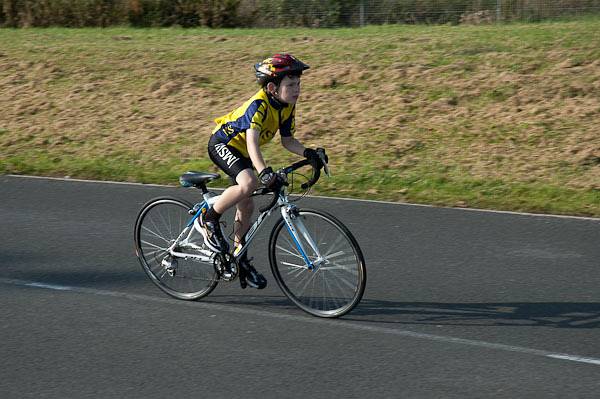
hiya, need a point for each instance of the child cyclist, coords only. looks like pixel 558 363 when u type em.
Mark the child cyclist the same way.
pixel 234 147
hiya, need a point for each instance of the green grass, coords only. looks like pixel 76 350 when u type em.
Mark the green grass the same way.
pixel 477 116
pixel 441 189
pixel 120 167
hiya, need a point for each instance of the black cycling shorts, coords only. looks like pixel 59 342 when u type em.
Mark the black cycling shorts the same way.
pixel 229 159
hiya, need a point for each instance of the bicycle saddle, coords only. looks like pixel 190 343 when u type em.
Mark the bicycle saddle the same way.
pixel 195 179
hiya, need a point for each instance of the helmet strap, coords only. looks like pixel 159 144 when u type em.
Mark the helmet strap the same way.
pixel 275 101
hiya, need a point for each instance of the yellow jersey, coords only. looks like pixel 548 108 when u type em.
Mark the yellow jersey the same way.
pixel 261 112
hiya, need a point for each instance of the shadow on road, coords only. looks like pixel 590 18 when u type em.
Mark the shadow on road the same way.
pixel 80 278
pixel 572 315
pixel 541 314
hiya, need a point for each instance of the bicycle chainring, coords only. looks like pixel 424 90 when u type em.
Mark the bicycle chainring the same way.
pixel 226 266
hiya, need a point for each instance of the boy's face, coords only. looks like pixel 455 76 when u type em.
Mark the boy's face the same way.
pixel 289 89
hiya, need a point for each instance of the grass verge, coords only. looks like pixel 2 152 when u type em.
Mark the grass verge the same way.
pixel 501 116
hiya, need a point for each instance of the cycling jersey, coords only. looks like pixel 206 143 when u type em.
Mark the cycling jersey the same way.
pixel 261 112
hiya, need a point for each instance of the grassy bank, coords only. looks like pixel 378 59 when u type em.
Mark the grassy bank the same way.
pixel 498 117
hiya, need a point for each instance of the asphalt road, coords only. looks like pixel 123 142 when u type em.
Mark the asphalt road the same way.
pixel 459 304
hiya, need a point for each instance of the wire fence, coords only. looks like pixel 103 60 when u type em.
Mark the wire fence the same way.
pixel 283 13
pixel 376 12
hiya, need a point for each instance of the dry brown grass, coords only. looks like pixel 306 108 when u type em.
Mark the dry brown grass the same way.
pixel 519 105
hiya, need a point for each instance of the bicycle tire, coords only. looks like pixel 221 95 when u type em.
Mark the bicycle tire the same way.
pixel 332 289
pixel 158 224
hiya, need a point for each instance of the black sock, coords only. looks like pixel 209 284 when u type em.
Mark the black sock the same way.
pixel 212 216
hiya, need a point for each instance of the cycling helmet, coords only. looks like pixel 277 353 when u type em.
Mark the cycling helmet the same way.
pixel 273 69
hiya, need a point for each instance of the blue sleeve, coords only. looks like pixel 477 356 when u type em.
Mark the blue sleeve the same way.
pixel 256 114
pixel 288 127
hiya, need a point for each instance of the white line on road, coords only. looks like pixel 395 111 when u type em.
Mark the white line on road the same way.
pixel 49 286
pixel 589 360
pixel 312 320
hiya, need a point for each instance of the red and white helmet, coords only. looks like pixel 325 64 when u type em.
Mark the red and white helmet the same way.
pixel 278 66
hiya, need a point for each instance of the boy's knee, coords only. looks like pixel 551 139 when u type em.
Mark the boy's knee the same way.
pixel 249 186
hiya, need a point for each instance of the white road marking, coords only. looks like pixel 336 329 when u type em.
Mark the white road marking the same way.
pixel 49 286
pixel 124 183
pixel 312 320
pixel 589 360
pixel 331 198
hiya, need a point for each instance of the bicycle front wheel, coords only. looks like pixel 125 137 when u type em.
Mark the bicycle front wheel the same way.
pixel 159 224
pixel 337 282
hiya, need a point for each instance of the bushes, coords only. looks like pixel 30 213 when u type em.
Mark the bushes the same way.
pixel 142 13
pixel 313 13
pixel 24 13
pixel 275 13
pixel 536 10
pixel 186 13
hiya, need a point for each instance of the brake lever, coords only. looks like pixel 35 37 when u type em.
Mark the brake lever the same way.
pixel 325 166
pixel 326 169
pixel 283 177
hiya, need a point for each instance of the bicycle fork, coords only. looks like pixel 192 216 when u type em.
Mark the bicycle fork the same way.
pixel 297 230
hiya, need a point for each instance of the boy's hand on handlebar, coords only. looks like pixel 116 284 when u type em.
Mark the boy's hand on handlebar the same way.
pixel 270 179
pixel 317 155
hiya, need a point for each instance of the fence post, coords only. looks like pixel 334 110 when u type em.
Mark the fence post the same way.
pixel 498 10
pixel 362 13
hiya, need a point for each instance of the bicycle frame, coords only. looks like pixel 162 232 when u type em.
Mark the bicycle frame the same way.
pixel 288 211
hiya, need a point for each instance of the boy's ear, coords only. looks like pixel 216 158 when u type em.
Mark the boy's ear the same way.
pixel 271 87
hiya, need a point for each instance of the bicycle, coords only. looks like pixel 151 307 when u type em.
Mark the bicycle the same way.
pixel 315 260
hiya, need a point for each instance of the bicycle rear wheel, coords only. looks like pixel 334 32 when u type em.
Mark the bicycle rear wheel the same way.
pixel 332 288
pixel 160 222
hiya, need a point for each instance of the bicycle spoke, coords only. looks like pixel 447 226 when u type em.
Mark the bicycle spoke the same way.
pixel 157 229
pixel 155 234
pixel 349 258
pixel 344 268
pixel 335 255
pixel 153 245
pixel 297 255
pixel 303 267
pixel 334 298
pixel 296 272
pixel 346 282
pixel 169 230
pixel 335 243
pixel 309 279
pixel 155 254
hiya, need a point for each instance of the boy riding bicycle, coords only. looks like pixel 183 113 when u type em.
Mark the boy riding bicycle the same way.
pixel 234 147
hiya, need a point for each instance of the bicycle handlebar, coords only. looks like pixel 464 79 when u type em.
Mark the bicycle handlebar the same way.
pixel 285 171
